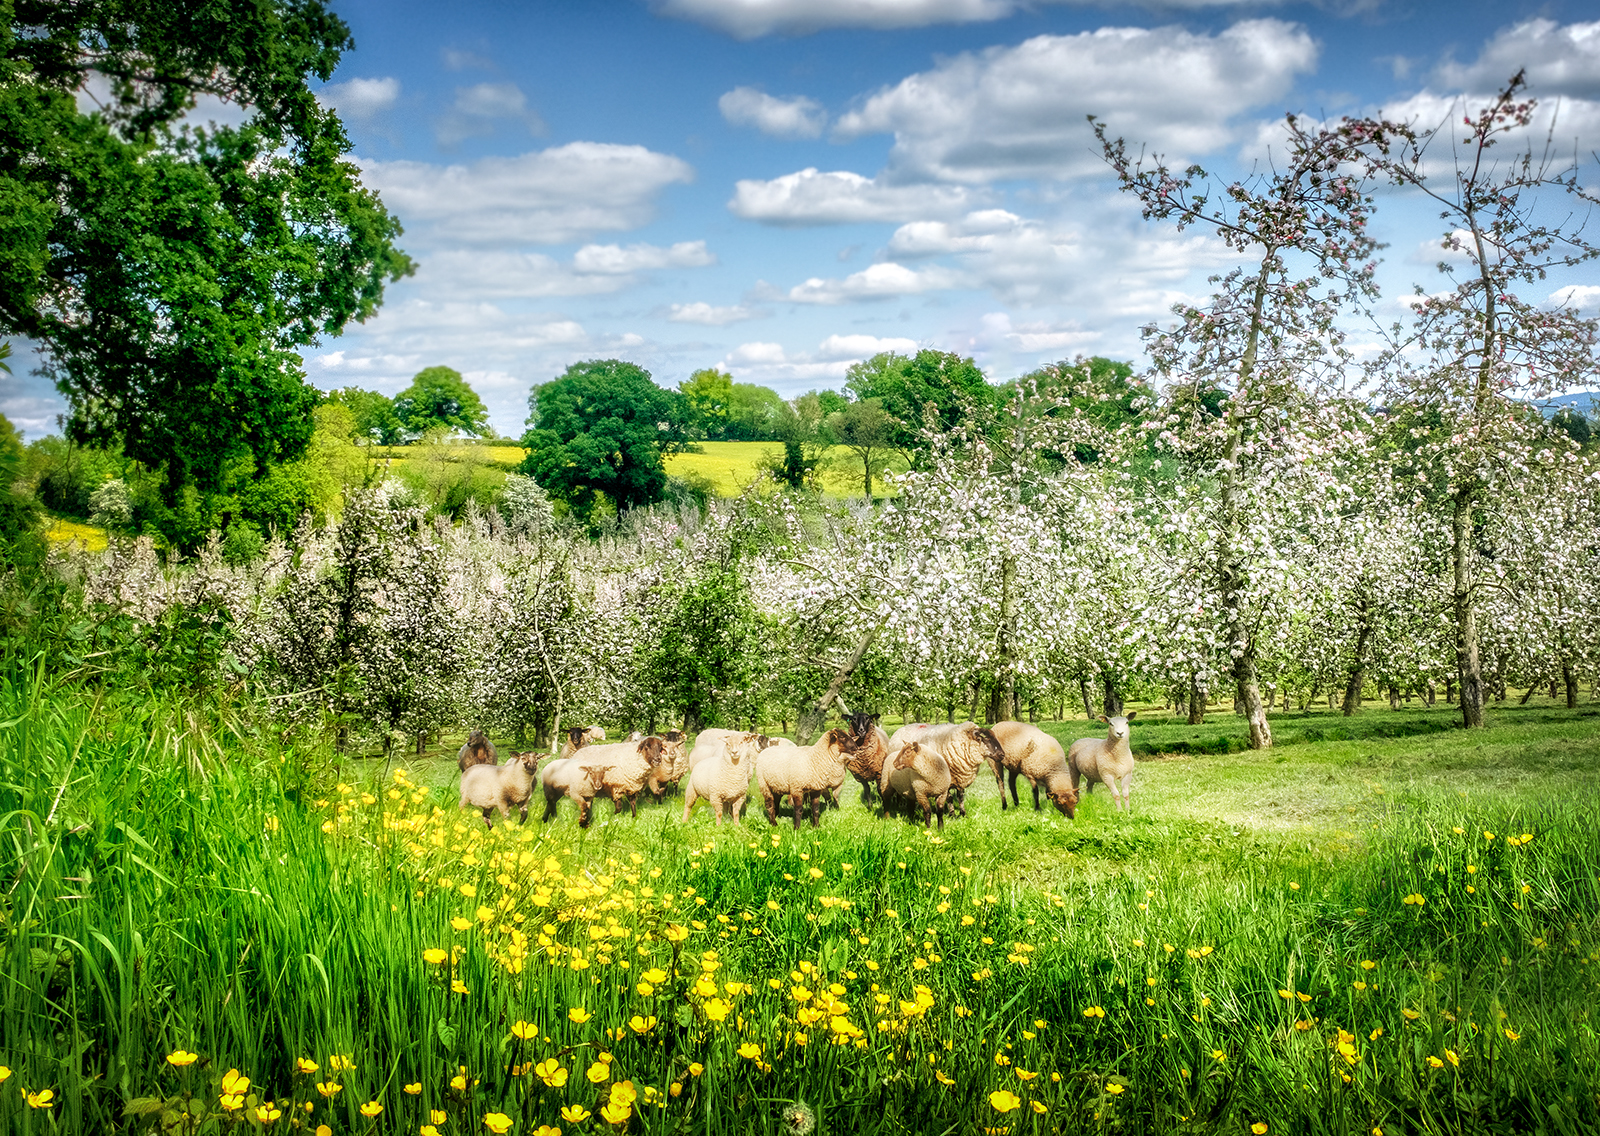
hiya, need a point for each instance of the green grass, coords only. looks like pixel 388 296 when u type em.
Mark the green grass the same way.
pixel 205 884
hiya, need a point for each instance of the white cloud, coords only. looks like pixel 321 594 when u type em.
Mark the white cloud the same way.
pixel 361 100
pixel 479 109
pixel 809 197
pixel 1010 112
pixel 553 196
pixel 703 313
pixel 856 347
pixel 1042 336
pixel 797 117
pixel 878 282
pixel 1577 297
pixel 1560 60
pixel 748 19
pixel 1574 123
pixel 616 260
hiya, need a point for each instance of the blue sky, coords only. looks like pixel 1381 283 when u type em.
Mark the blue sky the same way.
pixel 782 187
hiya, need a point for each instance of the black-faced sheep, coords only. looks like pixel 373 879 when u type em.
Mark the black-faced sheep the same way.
pixel 804 775
pixel 723 777
pixel 479 750
pixel 872 747
pixel 580 736
pixel 1108 759
pixel 503 787
pixel 1031 753
pixel 916 780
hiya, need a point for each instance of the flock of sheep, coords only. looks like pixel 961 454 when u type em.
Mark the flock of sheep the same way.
pixel 920 772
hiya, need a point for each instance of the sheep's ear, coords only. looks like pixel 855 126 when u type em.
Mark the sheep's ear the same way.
pixel 1132 714
pixel 1103 718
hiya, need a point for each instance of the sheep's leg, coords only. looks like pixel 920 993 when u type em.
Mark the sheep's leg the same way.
pixel 816 807
pixel 550 807
pixel 716 808
pixel 1111 784
pixel 1035 785
pixel 797 804
pixel 961 800
pixel 487 823
pixel 585 811
pixel 1127 791
pixel 688 801
pixel 633 805
pixel 1000 780
pixel 770 801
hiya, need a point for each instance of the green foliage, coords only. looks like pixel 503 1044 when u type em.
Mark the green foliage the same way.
pixel 1575 424
pixel 702 661
pixel 907 386
pixel 373 417
pixel 19 514
pixel 754 413
pixel 599 431
pixel 440 397
pixel 444 477
pixel 869 432
pixel 707 395
pixel 172 273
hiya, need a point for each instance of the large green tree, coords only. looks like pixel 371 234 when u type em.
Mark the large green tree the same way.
pixel 439 396
pixel 602 428
pixel 372 415
pixel 907 386
pixel 171 272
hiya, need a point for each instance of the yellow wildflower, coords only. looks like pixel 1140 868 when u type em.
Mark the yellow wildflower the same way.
pixel 182 1057
pixel 1004 1101
pixel 498 1123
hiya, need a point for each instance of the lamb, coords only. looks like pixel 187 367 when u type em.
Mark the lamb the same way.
pixel 723 777
pixel 479 750
pixel 917 779
pixel 565 778
pixel 804 774
pixel 621 769
pixel 504 787
pixel 1035 755
pixel 674 763
pixel 1107 759
pixel 872 746
pixel 966 747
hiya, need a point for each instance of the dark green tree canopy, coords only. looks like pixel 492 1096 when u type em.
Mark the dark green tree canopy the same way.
pixel 602 427
pixel 439 396
pixel 905 385
pixel 373 415
pixel 171 274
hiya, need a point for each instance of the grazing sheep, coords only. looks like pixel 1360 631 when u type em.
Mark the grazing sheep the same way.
pixel 805 774
pixel 504 787
pixel 479 750
pixel 917 779
pixel 622 768
pixel 872 746
pixel 580 736
pixel 1108 759
pixel 671 767
pixel 1035 755
pixel 966 747
pixel 723 777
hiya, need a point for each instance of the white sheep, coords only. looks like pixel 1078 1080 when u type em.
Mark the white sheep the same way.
pixel 1108 759
pixel 479 750
pixel 965 746
pixel 503 787
pixel 723 777
pixel 917 779
pixel 622 769
pixel 1035 755
pixel 803 774
pixel 564 778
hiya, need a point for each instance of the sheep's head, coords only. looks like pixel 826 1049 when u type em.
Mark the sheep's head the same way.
pixel 530 760
pixel 861 725
pixel 1065 799
pixel 578 737
pixel 840 742
pixel 651 749
pixel 595 734
pixel 742 746
pixel 1118 727
pixel 592 779
pixel 764 742
pixel 907 756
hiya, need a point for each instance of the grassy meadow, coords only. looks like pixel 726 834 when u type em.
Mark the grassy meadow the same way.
pixel 1395 930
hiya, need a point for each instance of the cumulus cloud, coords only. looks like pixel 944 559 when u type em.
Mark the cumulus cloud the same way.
pixel 810 197
pixel 1577 297
pixel 856 347
pixel 1013 112
pixel 479 110
pixel 565 193
pixel 616 260
pixel 1560 60
pixel 878 282
pixel 1040 336
pixel 710 315
pixel 748 19
pixel 797 117
pixel 361 100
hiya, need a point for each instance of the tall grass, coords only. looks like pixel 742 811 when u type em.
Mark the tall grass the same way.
pixel 185 879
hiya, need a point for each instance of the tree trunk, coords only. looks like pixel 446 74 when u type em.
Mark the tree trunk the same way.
pixel 1358 669
pixel 1469 668
pixel 1197 702
pixel 1083 689
pixel 1570 677
pixel 812 717
pixel 1532 686
pixel 1394 697
pixel 1450 691
pixel 1007 702
pixel 1112 700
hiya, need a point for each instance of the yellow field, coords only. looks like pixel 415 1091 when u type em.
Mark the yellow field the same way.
pixel 731 466
pixel 61 531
